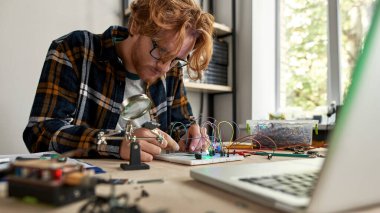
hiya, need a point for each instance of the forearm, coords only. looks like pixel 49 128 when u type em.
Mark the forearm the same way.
pixel 57 135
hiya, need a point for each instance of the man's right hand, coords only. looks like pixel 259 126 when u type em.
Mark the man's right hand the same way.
pixel 149 147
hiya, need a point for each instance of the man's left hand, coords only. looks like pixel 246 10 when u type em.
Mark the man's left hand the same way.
pixel 196 139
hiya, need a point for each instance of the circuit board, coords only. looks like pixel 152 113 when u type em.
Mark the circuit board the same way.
pixel 189 158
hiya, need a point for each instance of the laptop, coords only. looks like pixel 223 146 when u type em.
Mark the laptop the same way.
pixel 348 178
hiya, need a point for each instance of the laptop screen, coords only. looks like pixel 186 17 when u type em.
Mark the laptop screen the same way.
pixel 350 173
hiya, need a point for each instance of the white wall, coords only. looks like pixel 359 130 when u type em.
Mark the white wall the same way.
pixel 223 111
pixel 27 29
pixel 263 59
pixel 195 101
pixel 255 58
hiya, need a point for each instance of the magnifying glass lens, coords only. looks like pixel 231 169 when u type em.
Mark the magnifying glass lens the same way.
pixel 135 106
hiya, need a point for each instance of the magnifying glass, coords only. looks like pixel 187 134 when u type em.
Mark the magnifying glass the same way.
pixel 135 106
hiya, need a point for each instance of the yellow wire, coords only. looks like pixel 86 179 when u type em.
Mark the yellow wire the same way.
pixel 232 135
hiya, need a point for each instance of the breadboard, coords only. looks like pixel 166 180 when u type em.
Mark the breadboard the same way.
pixel 189 158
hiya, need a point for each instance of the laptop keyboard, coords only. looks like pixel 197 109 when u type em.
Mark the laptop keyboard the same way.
pixel 299 185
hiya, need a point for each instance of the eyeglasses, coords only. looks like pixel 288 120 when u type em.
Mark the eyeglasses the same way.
pixel 156 53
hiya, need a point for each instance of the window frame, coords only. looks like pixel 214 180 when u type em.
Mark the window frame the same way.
pixel 333 54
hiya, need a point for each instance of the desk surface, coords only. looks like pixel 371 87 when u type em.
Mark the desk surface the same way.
pixel 178 193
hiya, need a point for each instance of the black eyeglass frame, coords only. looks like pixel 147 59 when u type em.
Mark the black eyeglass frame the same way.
pixel 176 62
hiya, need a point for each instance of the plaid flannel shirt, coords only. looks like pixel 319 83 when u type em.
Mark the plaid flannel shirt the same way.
pixel 80 92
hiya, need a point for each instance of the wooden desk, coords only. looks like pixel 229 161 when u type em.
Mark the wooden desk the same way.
pixel 178 193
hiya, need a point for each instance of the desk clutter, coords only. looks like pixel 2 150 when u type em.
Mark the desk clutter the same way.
pixel 282 133
pixel 263 137
pixel 50 181
pixel 59 180
pixel 56 180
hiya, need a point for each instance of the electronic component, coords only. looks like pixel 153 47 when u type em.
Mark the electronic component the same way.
pixel 150 181
pixel 50 181
pixel 112 181
pixel 151 125
pixel 198 155
pixel 283 154
pixel 281 133
pixel 270 156
pixel 112 203
pixel 189 158
pixel 211 152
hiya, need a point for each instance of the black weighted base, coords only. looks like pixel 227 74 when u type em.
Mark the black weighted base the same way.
pixel 135 159
pixel 126 166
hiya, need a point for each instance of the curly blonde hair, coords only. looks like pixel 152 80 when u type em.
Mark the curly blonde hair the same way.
pixel 155 16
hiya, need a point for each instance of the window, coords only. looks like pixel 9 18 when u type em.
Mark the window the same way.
pixel 355 19
pixel 303 56
pixel 304 52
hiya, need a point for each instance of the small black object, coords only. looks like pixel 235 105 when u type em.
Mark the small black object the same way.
pixel 111 181
pixel 198 156
pixel 270 156
pixel 150 181
pixel 312 153
pixel 134 159
pixel 331 110
pixel 151 125
pixel 144 193
pixel 26 158
pixel 211 152
pixel 112 204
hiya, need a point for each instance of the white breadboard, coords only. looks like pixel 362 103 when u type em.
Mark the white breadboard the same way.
pixel 189 158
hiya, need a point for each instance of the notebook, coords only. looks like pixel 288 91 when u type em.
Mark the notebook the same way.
pixel 348 178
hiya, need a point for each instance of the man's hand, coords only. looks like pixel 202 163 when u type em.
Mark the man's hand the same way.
pixel 196 139
pixel 149 147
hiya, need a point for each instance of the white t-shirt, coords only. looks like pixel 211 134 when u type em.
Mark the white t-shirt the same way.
pixel 133 86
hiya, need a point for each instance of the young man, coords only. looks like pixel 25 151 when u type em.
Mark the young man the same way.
pixel 86 77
